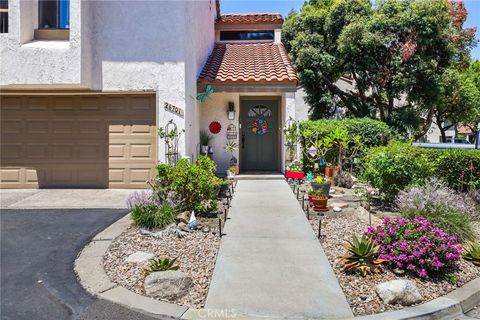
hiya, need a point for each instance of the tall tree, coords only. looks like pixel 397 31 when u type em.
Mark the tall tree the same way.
pixel 395 51
pixel 459 101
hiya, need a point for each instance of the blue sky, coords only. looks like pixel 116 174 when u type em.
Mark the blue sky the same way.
pixel 284 6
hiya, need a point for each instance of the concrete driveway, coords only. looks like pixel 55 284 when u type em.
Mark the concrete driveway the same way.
pixel 38 249
pixel 63 198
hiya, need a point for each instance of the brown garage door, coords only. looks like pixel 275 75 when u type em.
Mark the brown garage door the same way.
pixel 95 140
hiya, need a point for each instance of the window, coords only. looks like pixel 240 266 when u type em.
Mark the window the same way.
pixel 246 35
pixel 54 14
pixel 259 111
pixel 3 16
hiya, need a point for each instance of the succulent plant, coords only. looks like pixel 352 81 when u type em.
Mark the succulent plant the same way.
pixel 362 256
pixel 471 252
pixel 161 264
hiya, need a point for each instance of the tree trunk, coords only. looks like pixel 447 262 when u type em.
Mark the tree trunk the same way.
pixel 427 123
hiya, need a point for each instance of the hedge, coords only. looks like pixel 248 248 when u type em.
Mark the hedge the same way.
pixel 372 133
pixel 394 167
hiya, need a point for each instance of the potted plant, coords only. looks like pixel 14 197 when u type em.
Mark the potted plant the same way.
pixel 321 183
pixel 294 171
pixel 231 171
pixel 205 139
pixel 231 147
pixel 319 199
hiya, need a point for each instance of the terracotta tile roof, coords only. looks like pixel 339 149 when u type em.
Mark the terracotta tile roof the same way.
pixel 250 18
pixel 248 63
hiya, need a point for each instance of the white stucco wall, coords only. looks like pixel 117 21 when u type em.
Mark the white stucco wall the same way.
pixel 199 42
pixel 155 45
pixel 24 61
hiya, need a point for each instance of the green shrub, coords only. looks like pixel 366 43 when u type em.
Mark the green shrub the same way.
pixel 189 186
pixel 371 132
pixel 392 168
pixel 459 168
pixel 161 264
pixel 153 216
pixel 443 207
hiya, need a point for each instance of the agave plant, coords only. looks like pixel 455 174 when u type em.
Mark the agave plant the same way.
pixel 161 264
pixel 362 256
pixel 471 252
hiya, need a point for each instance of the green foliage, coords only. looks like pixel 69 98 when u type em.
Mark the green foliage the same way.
pixel 161 264
pixel 459 100
pixel 471 252
pixel 394 167
pixel 391 169
pixel 191 186
pixel 390 49
pixel 153 216
pixel 459 168
pixel 205 137
pixel 362 256
pixel 443 207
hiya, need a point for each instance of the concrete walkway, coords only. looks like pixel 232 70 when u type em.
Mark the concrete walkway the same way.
pixel 270 262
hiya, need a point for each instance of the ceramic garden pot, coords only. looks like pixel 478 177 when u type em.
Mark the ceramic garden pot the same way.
pixel 204 149
pixel 330 171
pixel 320 203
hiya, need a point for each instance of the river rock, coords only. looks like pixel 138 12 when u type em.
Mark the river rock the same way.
pixel 139 257
pixel 403 292
pixel 170 284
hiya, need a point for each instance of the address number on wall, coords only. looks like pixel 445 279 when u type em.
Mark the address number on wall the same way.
pixel 170 107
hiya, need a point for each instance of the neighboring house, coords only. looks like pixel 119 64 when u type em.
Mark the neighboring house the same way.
pixel 85 85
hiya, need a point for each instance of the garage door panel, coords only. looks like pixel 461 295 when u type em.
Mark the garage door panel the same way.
pixel 35 103
pixel 63 126
pixel 38 126
pixel 13 126
pixel 78 141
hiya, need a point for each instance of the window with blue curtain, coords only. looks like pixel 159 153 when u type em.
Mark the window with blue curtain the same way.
pixel 54 14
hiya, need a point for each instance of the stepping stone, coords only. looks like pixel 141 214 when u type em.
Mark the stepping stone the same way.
pixel 338 204
pixel 139 257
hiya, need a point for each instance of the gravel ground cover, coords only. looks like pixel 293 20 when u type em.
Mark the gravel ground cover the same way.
pixel 360 291
pixel 195 253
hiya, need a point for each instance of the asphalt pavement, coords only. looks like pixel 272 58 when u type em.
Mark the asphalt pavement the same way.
pixel 38 250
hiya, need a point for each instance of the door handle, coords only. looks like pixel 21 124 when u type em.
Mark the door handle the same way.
pixel 243 140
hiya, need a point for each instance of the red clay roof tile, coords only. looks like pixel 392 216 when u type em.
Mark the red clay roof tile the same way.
pixel 248 63
pixel 250 18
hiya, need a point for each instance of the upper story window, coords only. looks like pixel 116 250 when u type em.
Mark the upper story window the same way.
pixel 3 16
pixel 53 20
pixel 54 14
pixel 246 35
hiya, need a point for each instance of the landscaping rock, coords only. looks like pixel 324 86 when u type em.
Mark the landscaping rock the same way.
pixel 167 284
pixel 403 292
pixel 139 257
pixel 183 216
pixel 338 205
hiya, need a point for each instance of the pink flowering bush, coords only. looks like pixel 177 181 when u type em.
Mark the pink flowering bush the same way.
pixel 415 245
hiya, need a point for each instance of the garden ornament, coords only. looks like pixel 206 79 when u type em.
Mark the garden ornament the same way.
pixel 193 222
pixel 312 151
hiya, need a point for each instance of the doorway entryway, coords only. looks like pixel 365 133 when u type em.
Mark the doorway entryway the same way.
pixel 259 134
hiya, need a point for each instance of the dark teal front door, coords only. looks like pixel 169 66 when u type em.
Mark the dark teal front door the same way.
pixel 259 135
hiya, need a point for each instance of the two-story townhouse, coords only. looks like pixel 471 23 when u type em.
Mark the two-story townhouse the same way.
pixel 85 85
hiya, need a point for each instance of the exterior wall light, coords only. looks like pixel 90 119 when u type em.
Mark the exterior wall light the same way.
pixel 231 111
